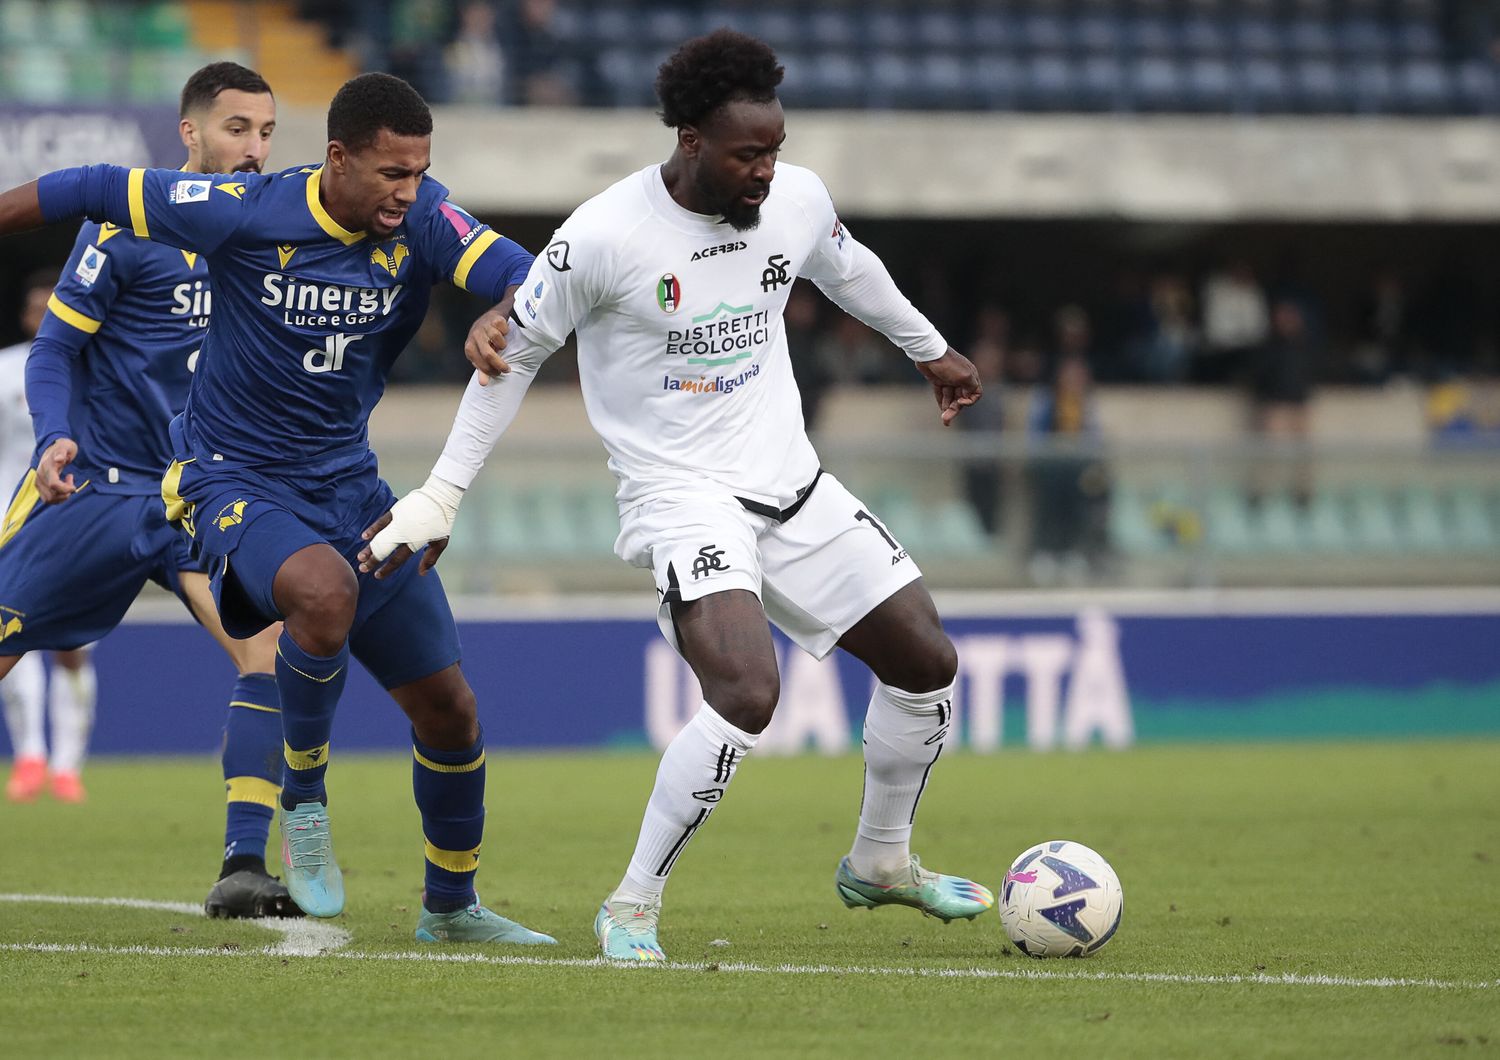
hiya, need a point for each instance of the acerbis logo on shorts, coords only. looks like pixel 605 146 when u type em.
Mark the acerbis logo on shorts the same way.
pixel 710 558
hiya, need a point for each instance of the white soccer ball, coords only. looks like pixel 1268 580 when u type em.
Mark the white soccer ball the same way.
pixel 1061 899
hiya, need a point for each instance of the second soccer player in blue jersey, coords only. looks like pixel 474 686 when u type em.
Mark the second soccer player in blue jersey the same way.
pixel 321 276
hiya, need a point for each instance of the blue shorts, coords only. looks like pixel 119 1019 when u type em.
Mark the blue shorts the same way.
pixel 245 525
pixel 69 571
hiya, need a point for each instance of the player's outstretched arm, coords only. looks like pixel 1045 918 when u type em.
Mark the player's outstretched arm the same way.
pixel 955 383
pixel 21 209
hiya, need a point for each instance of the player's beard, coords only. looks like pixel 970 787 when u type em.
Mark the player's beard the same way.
pixel 739 215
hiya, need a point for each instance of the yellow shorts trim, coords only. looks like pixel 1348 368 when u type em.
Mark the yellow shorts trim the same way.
pixel 21 507
pixel 443 767
pixel 312 758
pixel 465 263
pixel 256 790
pixel 453 860
pixel 179 511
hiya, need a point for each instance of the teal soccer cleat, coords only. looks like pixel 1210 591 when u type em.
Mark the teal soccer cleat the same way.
pixel 312 876
pixel 476 924
pixel 627 932
pixel 945 897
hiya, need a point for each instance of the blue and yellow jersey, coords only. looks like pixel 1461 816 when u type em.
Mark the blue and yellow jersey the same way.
pixel 133 314
pixel 308 317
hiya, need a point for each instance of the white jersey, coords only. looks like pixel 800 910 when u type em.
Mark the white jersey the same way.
pixel 681 348
pixel 16 439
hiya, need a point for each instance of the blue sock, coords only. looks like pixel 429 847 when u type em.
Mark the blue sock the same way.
pixel 449 789
pixel 310 686
pixel 252 769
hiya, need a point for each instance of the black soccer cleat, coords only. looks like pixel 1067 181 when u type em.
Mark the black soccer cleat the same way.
pixel 250 892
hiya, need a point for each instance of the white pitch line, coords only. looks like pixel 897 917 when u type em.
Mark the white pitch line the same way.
pixel 736 967
pixel 299 937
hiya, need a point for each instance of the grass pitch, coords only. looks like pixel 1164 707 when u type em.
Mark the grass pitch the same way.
pixel 1279 901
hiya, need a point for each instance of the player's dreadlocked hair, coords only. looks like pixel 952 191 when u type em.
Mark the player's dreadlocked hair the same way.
pixel 371 102
pixel 204 86
pixel 707 72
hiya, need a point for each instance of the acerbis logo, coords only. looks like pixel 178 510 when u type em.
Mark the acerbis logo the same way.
pixel 722 248
pixel 709 794
pixel 557 255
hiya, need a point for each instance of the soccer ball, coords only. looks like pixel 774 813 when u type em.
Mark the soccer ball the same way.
pixel 1061 899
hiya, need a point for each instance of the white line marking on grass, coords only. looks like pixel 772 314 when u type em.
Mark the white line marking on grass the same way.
pixel 299 937
pixel 734 967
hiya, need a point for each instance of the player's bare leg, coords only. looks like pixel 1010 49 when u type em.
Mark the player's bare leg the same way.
pixel 907 724
pixel 252 764
pixel 448 778
pixel 726 639
pixel 23 687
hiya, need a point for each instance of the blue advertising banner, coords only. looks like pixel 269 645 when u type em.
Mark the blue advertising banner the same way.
pixel 36 140
pixel 1043 681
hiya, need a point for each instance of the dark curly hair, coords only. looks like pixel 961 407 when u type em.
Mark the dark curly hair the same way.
pixel 707 72
pixel 371 102
pixel 206 84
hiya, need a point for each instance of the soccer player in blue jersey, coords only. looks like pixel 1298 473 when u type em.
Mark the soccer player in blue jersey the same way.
pixel 109 369
pixel 322 274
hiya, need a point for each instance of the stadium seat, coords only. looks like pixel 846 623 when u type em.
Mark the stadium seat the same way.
pixel 1418 38
pixel 1101 83
pixel 1151 35
pixel 1327 524
pixel 942 81
pixel 838 80
pixel 1256 35
pixel 1097 31
pixel 1228 519
pixel 667 27
pixel 1050 83
pixel 778 27
pixel 22 22
pixel 1044 30
pixel 1320 86
pixel 939 30
pixel 992 29
pixel 505 530
pixel 1208 84
pixel 1277 524
pixel 1263 87
pixel 1363 37
pixel 998 80
pixel 1130 527
pixel 887 29
pixel 1156 84
pixel 70 24
pixel 891 82
pixel 1475 88
pixel 1423 526
pixel 1372 521
pixel 1204 34
pixel 39 73
pixel 954 530
pixel 1423 87
pixel 627 75
pixel 610 26
pixel 1372 88
pixel 1310 37
pixel 1473 530
pixel 830 29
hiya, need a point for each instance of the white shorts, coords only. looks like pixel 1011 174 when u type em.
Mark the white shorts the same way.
pixel 817 572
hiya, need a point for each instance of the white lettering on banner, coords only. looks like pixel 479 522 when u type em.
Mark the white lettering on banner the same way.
pixel 810 713
pixel 33 144
pixel 1075 692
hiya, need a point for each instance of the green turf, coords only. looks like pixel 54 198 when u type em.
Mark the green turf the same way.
pixel 1362 861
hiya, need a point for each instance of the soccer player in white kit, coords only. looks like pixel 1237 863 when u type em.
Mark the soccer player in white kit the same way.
pixel 69 700
pixel 675 280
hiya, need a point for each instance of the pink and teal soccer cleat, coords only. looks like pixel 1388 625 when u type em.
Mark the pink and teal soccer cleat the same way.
pixel 312 876
pixel 945 897
pixel 627 932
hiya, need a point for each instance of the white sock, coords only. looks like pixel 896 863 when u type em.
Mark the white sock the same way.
pixel 695 769
pixel 904 734
pixel 23 690
pixel 71 704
